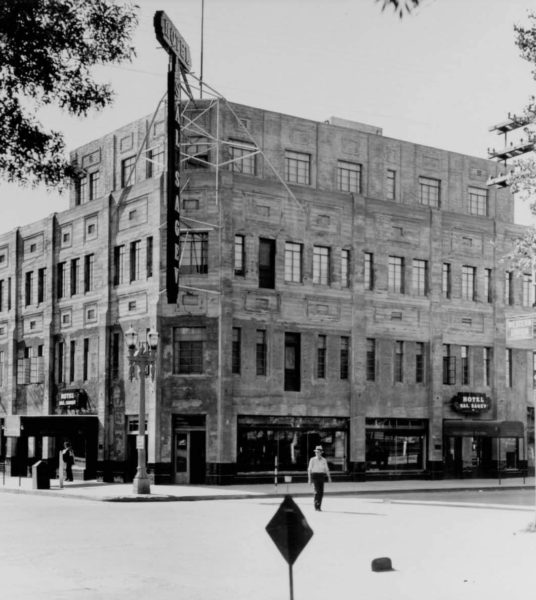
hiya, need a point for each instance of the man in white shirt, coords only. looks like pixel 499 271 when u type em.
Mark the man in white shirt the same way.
pixel 317 473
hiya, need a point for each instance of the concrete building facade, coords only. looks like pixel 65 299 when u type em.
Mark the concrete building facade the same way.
pixel 337 287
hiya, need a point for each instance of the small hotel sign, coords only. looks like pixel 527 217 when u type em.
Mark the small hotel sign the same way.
pixel 471 403
pixel 170 38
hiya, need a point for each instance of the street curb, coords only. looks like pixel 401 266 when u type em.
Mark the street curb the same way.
pixel 256 496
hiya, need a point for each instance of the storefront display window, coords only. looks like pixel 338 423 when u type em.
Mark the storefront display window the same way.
pixel 287 442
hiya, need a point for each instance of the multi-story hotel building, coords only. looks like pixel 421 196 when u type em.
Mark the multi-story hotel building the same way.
pixel 336 286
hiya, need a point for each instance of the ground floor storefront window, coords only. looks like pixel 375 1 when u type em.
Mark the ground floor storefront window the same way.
pixel 287 443
pixel 395 444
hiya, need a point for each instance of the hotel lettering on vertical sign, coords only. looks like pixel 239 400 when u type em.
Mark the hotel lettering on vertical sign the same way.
pixel 179 64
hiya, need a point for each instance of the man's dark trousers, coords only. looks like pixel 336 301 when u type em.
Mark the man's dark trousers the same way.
pixel 318 482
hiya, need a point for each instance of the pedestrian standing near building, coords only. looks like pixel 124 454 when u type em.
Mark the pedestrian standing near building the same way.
pixel 318 472
pixel 68 461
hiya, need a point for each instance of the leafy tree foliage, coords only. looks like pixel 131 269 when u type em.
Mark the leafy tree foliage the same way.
pixel 400 6
pixel 47 50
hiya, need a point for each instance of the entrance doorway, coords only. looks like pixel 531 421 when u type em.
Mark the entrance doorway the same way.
pixel 468 456
pixel 189 457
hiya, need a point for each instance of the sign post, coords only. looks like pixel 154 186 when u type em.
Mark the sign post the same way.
pixel 290 532
pixel 179 64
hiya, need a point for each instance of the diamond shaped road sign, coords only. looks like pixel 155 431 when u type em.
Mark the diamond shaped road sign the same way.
pixel 289 530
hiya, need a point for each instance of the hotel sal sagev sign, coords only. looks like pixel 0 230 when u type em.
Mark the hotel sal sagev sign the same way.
pixel 179 64
pixel 471 403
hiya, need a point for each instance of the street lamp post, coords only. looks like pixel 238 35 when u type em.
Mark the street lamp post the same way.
pixel 143 356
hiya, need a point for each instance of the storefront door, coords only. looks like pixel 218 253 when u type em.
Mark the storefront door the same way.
pixel 189 460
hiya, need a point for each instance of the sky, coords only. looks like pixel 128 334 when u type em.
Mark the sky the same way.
pixel 439 77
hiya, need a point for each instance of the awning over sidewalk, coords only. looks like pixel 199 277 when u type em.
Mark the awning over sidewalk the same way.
pixel 53 425
pixel 472 428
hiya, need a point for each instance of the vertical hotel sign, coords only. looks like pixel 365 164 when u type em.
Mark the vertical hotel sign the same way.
pixel 179 64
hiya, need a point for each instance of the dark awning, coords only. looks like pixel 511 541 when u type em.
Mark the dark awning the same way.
pixel 53 425
pixel 497 429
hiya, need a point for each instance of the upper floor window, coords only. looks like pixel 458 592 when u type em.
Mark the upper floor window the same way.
pixel 93 185
pixel 135 266
pixel 390 184
pixel 297 167
pixel 89 272
pixel 62 280
pixel 465 364
pixel 344 357
pixel 348 177
pixel 149 256
pixel 446 284
pixel 321 357
pixel 509 287
pixel 420 277
pixel 266 263
pixel 345 268
pixel 188 346
pixel 399 362
pixel 395 274
pixel 155 161
pixel 488 282
pixel 321 265
pixel 75 272
pixel 429 191
pixel 260 352
pixel 127 167
pixel 197 150
pixel 235 353
pixel 194 253
pixel 487 366
pixel 28 291
pixel 242 157
pixel 371 359
pixel 449 366
pixel 468 282
pixel 419 362
pixel 478 202
pixel 293 262
pixel 527 288
pixel 369 271
pixel 239 255
pixel 508 367
pixel 119 264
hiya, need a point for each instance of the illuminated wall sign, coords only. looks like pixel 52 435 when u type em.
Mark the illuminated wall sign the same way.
pixel 179 63
pixel 471 403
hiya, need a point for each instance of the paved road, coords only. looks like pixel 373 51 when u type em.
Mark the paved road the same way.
pixel 493 497
pixel 59 549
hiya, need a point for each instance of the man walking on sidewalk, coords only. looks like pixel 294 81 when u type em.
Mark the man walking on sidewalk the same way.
pixel 317 472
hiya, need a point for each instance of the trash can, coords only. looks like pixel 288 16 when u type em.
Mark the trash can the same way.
pixel 40 476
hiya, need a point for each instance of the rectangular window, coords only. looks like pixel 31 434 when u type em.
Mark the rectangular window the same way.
pixel 349 177
pixel 1 295
pixel 81 191
pixel 371 359
pixel 266 263
pixel 468 283
pixel 446 286
pixel 28 288
pixel 188 345
pixel 344 357
pixel 135 250
pixel 41 277
pixel 127 171
pixel 465 364
pixel 72 360
pixel 527 290
pixel 89 268
pixel 399 362
pixel 9 293
pixel 62 279
pixel 293 262
pixel 390 185
pixel 149 257
pixel 449 366
pixel 61 362
pixel 429 192
pixel 2 362
pixel 93 185
pixel 75 263
pixel 420 277
pixel 478 202
pixel 235 354
pixel 487 366
pixel 488 283
pixel 116 354
pixel 239 255
pixel 85 360
pixel 321 357
pixel 260 352
pixel 194 253
pixel 321 265
pixel 297 167
pixel 395 274
pixel 155 161
pixel 508 367
pixel 534 370
pixel 292 362
pixel 242 157
pixel 345 268
pixel 419 362
pixel 119 264
pixel 509 288
pixel 369 271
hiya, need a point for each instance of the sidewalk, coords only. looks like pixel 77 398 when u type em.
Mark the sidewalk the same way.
pixel 122 492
